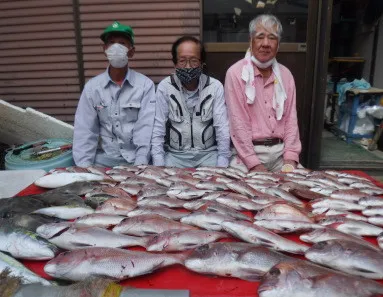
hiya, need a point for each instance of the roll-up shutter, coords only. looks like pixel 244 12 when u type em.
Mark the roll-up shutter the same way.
pixel 156 24
pixel 38 62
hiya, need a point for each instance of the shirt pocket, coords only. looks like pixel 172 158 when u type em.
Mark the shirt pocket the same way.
pixel 130 110
pixel 206 108
pixel 103 112
pixel 175 110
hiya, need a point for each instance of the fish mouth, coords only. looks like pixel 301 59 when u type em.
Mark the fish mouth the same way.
pixel 264 287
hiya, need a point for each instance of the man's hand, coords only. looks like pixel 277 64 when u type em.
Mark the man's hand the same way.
pixel 288 165
pixel 259 167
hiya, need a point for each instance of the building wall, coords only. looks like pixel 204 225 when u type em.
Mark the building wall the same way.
pixel 378 75
pixel 49 48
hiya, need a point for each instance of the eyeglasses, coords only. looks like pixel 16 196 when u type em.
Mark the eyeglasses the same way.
pixel 193 62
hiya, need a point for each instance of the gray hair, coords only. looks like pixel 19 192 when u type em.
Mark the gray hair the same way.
pixel 268 21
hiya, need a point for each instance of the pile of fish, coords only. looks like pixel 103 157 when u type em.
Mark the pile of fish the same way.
pixel 216 221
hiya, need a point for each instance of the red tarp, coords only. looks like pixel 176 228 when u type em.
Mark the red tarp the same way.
pixel 178 277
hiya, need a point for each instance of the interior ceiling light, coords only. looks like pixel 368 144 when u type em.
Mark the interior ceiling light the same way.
pixel 260 4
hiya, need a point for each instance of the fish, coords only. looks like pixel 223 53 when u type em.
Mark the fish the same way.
pixel 287 226
pixel 120 175
pixel 100 220
pixel 57 180
pixel 305 193
pixel 186 194
pixel 336 204
pixel 180 240
pixel 92 287
pixel 77 236
pixel 152 173
pixel 148 224
pixel 29 221
pixel 112 263
pixel 330 183
pixel 138 180
pixel 206 220
pixel 296 280
pixel 19 205
pixel 243 188
pixel 348 256
pixel 130 188
pixel 376 220
pixel 78 188
pixel 110 191
pixel 215 207
pixel 162 200
pixel 371 201
pixel 184 178
pixel 151 190
pixel 373 211
pixel 350 195
pixel 59 199
pixel 117 206
pixel 283 195
pixel 283 211
pixel 66 212
pixel 319 235
pixel 340 213
pixel 17 269
pixel 239 202
pixel 380 240
pixel 159 210
pixel 24 244
pixel 251 233
pixel 352 226
pixel 234 259
pixel 211 185
pixel 98 200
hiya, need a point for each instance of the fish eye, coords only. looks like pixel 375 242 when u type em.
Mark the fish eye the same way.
pixel 321 245
pixel 203 248
pixel 275 271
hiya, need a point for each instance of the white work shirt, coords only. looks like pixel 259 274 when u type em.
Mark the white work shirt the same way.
pixel 113 120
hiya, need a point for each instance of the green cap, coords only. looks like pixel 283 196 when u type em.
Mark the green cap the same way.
pixel 116 27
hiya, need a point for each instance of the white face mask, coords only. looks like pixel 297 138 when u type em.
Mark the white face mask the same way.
pixel 117 55
pixel 261 65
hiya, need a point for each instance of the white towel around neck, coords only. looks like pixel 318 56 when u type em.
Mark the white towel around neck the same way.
pixel 279 95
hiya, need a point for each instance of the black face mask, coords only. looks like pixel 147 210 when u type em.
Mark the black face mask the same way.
pixel 187 75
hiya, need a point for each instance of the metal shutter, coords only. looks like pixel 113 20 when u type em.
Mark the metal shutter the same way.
pixel 156 25
pixel 38 62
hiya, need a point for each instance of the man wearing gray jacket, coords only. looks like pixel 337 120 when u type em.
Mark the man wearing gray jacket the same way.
pixel 115 114
pixel 191 125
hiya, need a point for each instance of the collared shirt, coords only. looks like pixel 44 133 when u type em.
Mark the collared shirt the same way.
pixel 220 122
pixel 250 122
pixel 114 120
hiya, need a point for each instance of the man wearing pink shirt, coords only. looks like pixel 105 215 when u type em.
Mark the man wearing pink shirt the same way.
pixel 260 97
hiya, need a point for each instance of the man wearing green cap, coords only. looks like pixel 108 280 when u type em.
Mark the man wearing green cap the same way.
pixel 115 114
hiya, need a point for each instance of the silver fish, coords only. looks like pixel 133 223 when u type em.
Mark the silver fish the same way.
pixel 111 263
pixel 380 240
pixel 152 224
pixel 371 201
pixel 287 226
pixel 348 257
pixel 234 259
pixel 110 191
pixel 337 204
pixel 242 187
pixel 211 185
pixel 180 240
pixel 373 211
pixel 159 210
pixel 57 180
pixel 284 195
pixel 239 202
pixel 100 220
pixel 130 188
pixel 215 207
pixel 67 212
pixel 300 280
pixel 24 244
pixel 206 220
pixel 16 269
pixel 251 233
pixel 325 234
pixel 77 236
pixel 283 211
pixel 376 220
pixel 117 206
pixel 78 188
pixel 352 227
pixel 187 194
pixel 341 213
pixel 350 195
pixel 162 200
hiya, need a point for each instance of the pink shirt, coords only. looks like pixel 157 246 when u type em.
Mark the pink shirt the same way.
pixel 256 121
